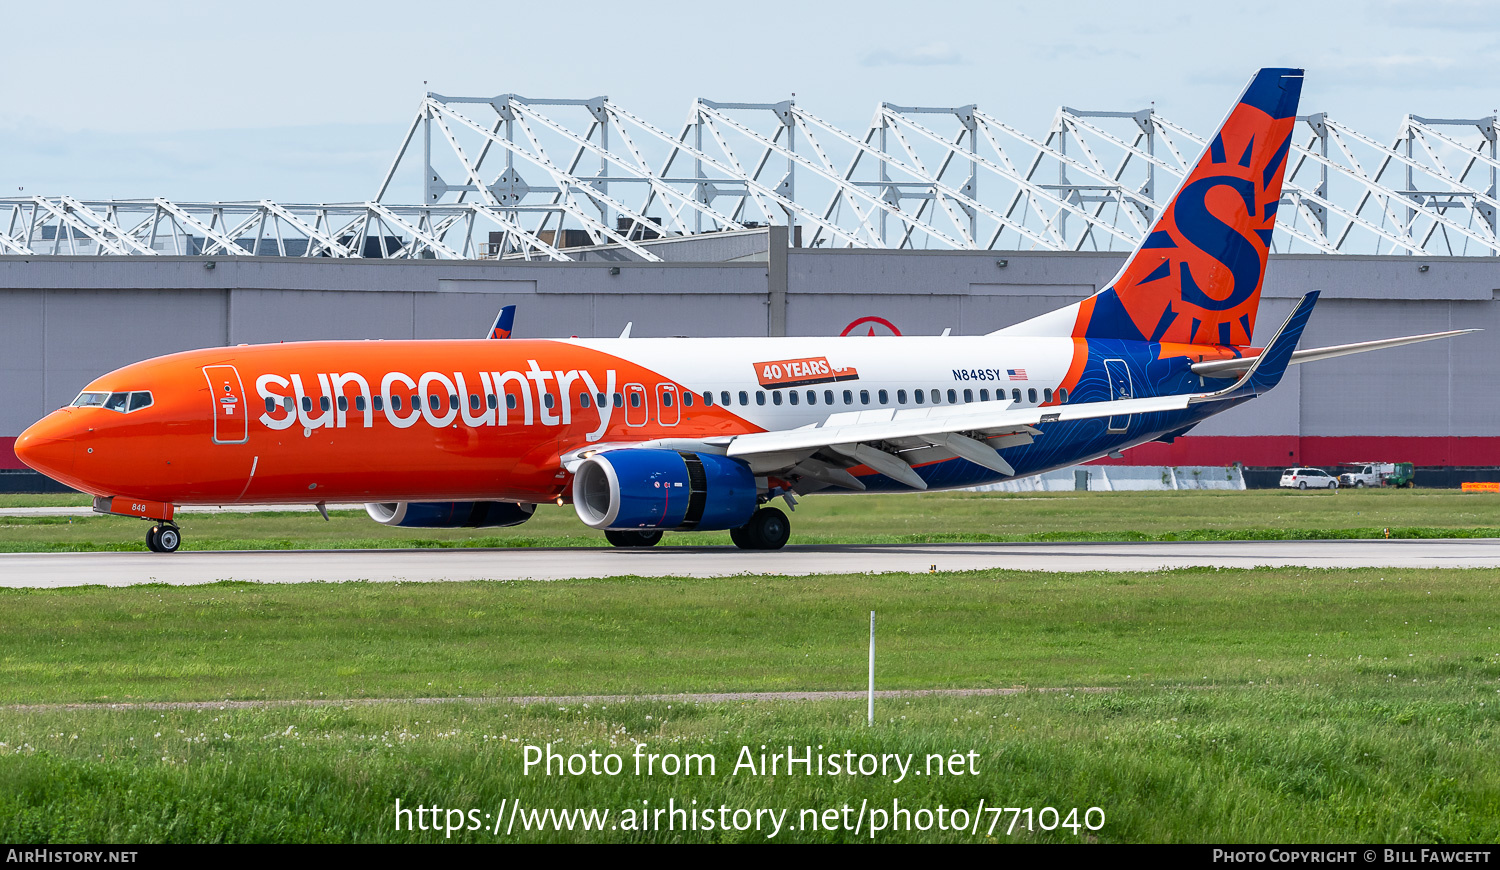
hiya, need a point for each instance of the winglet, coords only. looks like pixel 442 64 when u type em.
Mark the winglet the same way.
pixel 1265 373
pixel 504 322
pixel 625 333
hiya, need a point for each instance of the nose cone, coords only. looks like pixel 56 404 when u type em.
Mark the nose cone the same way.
pixel 49 445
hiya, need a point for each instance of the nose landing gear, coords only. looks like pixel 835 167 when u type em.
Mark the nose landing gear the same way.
pixel 164 538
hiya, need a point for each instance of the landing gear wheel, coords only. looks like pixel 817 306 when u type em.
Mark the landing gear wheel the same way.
pixel 768 529
pixel 632 539
pixel 163 539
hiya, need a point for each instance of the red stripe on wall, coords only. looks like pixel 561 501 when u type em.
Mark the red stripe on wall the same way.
pixel 1286 450
pixel 8 454
pixel 1261 450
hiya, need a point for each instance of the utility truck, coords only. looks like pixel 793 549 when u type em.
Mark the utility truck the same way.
pixel 1363 474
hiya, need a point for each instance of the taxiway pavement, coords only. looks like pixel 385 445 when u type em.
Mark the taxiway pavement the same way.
pixel 562 563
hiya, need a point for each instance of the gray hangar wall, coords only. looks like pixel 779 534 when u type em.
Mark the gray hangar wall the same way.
pixel 65 320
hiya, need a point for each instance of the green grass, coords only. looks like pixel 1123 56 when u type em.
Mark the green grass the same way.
pixel 1247 705
pixel 913 518
pixel 1285 764
pixel 23 499
pixel 631 635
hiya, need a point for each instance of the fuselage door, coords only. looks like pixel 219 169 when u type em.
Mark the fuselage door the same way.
pixel 667 411
pixel 636 411
pixel 231 412
pixel 1119 388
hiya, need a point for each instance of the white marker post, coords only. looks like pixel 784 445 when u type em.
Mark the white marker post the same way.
pixel 871 713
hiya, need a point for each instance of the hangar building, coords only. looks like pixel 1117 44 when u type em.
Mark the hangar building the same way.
pixel 790 236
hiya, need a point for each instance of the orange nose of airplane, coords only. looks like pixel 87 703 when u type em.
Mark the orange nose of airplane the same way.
pixel 49 444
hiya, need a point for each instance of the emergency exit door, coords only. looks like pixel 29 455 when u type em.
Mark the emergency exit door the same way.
pixel 231 411
pixel 1119 388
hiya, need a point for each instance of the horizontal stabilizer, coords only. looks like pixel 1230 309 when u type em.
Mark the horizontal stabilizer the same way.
pixel 1231 368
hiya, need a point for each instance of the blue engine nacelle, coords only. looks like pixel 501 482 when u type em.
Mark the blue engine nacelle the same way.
pixel 449 514
pixel 643 488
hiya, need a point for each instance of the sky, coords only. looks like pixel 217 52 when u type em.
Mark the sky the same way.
pixel 307 102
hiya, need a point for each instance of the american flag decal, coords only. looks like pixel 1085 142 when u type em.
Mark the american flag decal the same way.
pixel 1016 374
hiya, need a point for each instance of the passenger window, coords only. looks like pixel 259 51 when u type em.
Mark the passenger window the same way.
pixel 452 402
pixel 601 400
pixel 395 403
pixel 1015 394
pixel 776 397
pixel 1031 395
pixel 270 404
pixel 583 400
pixel 828 397
pixel 953 396
pixel 1047 394
pixel 708 399
pixel 325 403
pixel 812 397
pixel 968 396
pixel 864 397
pixel 885 398
pixel 760 397
pixel 510 401
pixel 848 397
pixel 618 400
pixel 937 397
pixel 307 404
pixel 434 402
pixel 724 398
pixel 547 400
pixel 918 395
pixel 359 403
pixel 1062 395
pixel 288 404
pixel 791 394
pixel 635 400
pixel 489 401
pixel 473 402
pixel 666 400
pixel 900 397
pixel 377 402
pixel 343 403
pixel 416 402
pixel 687 400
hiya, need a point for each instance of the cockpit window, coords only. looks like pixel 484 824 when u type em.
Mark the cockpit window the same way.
pixel 122 402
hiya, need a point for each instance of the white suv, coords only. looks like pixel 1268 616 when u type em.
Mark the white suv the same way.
pixel 1308 478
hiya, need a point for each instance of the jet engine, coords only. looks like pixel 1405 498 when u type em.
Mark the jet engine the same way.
pixel 647 489
pixel 449 514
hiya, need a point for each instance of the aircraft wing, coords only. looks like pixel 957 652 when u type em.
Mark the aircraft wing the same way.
pixel 891 441
pixel 824 451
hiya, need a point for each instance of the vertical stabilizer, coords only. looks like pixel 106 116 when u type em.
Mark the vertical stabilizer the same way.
pixel 504 323
pixel 1196 278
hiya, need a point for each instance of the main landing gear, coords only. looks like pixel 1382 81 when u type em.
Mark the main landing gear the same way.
pixel 164 538
pixel 768 529
pixel 632 538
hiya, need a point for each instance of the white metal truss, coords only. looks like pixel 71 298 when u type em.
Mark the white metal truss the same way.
pixel 516 177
